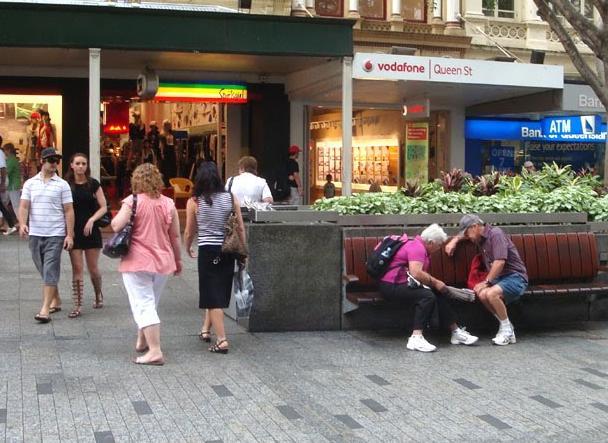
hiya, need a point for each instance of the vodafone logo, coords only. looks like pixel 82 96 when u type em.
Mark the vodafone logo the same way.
pixel 401 67
pixel 368 65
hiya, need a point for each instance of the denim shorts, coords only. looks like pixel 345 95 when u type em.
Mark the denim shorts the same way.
pixel 513 287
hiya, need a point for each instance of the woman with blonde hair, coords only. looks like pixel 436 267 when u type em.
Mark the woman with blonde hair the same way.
pixel 154 254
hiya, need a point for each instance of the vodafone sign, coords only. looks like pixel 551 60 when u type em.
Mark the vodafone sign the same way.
pixel 451 70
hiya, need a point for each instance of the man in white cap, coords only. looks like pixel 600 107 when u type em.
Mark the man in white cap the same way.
pixel 507 277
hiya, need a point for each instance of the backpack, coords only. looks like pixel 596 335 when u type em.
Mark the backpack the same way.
pixel 378 263
pixel 280 188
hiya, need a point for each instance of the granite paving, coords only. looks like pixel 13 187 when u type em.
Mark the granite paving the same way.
pixel 74 380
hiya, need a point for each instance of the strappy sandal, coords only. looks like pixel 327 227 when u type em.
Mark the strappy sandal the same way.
pixel 54 309
pixel 77 289
pixel 98 304
pixel 217 349
pixel 205 336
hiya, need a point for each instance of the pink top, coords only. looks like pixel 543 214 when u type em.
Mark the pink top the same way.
pixel 151 249
pixel 411 251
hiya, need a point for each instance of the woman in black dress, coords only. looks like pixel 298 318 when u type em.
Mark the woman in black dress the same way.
pixel 207 213
pixel 89 206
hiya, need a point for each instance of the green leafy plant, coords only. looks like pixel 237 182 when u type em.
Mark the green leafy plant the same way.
pixel 412 189
pixel 453 181
pixel 487 184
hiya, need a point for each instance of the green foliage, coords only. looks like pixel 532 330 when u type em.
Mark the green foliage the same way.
pixel 553 189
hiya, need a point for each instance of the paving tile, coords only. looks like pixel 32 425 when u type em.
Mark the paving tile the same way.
pixel 595 372
pixel 600 406
pixel 588 384
pixel 545 401
pixel 142 407
pixel 222 391
pixel 2 415
pixel 493 421
pixel 44 388
pixel 289 412
pixel 349 421
pixel 373 405
pixel 378 380
pixel 104 437
pixel 466 383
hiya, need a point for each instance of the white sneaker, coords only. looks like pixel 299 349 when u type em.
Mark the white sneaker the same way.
pixel 419 343
pixel 505 337
pixel 11 231
pixel 460 336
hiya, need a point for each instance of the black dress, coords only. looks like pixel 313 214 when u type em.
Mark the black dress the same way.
pixel 85 205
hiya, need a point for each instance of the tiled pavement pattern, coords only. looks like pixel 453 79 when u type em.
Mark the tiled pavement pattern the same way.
pixel 72 380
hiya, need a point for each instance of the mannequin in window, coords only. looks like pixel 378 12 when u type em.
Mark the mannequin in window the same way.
pixel 46 132
pixel 168 160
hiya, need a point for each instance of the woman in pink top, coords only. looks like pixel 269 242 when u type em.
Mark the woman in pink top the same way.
pixel 153 256
pixel 409 281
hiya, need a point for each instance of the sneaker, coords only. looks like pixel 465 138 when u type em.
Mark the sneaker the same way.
pixel 460 336
pixel 419 343
pixel 504 337
pixel 11 231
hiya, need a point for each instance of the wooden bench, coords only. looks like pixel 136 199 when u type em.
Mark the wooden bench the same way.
pixel 558 264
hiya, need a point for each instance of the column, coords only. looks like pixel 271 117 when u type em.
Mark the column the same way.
pixel 94 103
pixel 298 9
pixel 396 19
pixel 437 20
pixel 310 7
pixel 452 23
pixel 353 8
pixel 347 125
pixel 298 136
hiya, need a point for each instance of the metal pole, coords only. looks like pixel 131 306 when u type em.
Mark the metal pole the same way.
pixel 347 125
pixel 94 103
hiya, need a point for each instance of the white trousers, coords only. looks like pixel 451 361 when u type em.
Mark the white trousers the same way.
pixel 144 290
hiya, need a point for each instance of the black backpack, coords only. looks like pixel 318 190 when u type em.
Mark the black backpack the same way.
pixel 280 188
pixel 378 263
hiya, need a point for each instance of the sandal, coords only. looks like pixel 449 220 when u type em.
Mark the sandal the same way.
pixel 77 288
pixel 42 318
pixel 217 349
pixel 54 309
pixel 205 336
pixel 75 313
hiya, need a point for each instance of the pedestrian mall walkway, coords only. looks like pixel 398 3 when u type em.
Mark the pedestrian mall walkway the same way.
pixel 73 380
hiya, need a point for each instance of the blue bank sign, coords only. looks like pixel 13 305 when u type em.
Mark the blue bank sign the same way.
pixel 584 128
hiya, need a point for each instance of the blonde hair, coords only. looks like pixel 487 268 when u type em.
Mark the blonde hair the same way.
pixel 147 179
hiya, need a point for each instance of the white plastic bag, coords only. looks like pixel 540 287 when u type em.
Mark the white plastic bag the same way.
pixel 243 292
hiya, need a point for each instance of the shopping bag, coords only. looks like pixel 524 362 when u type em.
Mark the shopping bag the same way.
pixel 243 292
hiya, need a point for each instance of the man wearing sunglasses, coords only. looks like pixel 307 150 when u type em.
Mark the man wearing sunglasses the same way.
pixel 47 200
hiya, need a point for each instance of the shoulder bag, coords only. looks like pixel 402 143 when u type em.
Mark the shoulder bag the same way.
pixel 232 240
pixel 118 245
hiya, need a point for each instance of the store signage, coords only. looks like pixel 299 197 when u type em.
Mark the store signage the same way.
pixel 558 129
pixel 420 109
pixel 435 69
pixel 201 92
pixel 335 124
pixel 581 98
pixel 417 152
pixel 502 158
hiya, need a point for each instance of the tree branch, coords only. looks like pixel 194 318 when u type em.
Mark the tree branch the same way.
pixel 586 29
pixel 586 71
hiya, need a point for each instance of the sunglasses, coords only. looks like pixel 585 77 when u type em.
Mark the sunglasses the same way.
pixel 52 160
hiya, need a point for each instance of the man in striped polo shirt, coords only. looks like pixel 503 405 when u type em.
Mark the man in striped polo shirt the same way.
pixel 47 199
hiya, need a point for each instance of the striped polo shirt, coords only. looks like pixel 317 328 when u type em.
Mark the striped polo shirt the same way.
pixel 211 220
pixel 47 216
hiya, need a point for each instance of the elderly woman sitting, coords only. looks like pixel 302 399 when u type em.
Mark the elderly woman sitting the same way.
pixel 408 281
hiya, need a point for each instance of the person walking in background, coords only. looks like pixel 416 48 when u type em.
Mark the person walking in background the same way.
pixel 247 186
pixel 13 172
pixel 293 175
pixel 507 277
pixel 8 214
pixel 153 256
pixel 207 213
pixel 46 202
pixel 89 206
pixel 329 189
pixel 408 280
pixel 529 167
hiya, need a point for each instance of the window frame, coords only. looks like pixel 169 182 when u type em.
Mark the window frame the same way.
pixel 339 14
pixel 425 16
pixel 496 12
pixel 384 12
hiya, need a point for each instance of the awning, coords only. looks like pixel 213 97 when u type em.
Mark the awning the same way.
pixel 147 29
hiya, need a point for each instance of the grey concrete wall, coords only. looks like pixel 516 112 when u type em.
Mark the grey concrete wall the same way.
pixel 296 270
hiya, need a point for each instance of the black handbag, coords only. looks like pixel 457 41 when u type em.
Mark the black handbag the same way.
pixel 105 219
pixel 118 245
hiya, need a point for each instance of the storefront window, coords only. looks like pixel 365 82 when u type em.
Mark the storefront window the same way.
pixel 414 10
pixel 372 9
pixel 330 8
